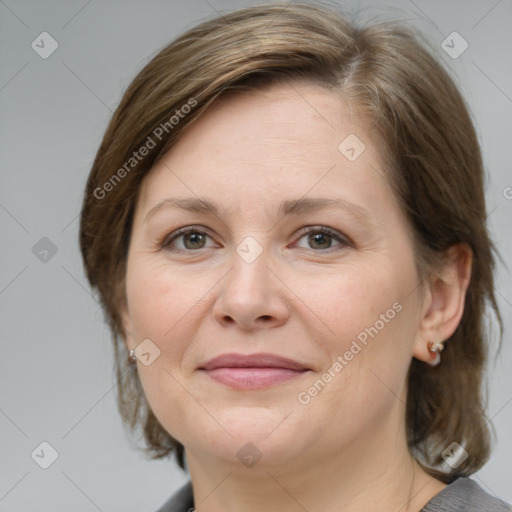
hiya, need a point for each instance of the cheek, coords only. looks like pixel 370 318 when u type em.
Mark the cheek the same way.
pixel 159 302
pixel 371 315
pixel 160 311
pixel 352 300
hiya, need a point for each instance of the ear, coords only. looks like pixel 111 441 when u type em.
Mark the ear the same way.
pixel 444 299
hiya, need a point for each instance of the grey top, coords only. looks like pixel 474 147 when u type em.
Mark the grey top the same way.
pixel 463 495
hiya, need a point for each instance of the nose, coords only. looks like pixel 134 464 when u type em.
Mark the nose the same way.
pixel 252 296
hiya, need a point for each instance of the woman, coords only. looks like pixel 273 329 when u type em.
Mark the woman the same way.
pixel 290 375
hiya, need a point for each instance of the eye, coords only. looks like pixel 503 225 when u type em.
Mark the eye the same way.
pixel 192 239
pixel 322 237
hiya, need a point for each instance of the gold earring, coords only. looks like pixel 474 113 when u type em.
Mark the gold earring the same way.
pixel 435 347
pixel 132 359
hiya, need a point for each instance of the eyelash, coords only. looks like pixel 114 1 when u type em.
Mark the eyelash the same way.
pixel 344 241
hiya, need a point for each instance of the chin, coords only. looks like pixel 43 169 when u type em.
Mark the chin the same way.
pixel 257 436
pixel 242 452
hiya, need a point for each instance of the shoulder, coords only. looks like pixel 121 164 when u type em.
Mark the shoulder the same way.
pixel 181 501
pixel 465 495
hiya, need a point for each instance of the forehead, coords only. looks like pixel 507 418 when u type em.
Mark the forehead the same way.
pixel 265 144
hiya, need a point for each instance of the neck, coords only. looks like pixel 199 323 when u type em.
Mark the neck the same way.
pixel 376 473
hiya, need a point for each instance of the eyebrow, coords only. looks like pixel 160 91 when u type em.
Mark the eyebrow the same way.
pixel 287 207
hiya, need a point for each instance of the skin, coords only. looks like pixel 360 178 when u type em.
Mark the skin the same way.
pixel 305 299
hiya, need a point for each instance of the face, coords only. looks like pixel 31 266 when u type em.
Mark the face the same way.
pixel 301 271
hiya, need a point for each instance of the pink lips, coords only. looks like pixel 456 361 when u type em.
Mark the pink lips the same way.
pixel 254 371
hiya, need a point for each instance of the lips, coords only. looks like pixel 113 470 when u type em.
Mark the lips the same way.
pixel 252 361
pixel 254 371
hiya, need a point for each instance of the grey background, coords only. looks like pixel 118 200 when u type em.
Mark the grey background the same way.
pixel 56 376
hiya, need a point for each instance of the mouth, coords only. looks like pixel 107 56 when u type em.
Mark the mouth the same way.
pixel 254 371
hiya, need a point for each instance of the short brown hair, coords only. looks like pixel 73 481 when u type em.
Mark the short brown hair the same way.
pixel 435 166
